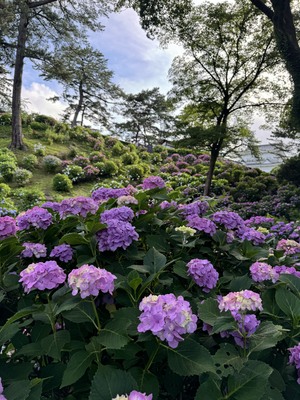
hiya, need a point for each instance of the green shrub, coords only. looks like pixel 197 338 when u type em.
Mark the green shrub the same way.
pixel 7 170
pixel 135 172
pixel 107 168
pixel 96 156
pixel 45 119
pixel 7 155
pixel 51 163
pixel 39 149
pixel 79 133
pixel 22 176
pixel 5 119
pixel 38 126
pixel 30 162
pixel 61 183
pixel 28 198
pixel 129 158
pixel 74 172
pixel 5 190
pixel 290 171
pixel 118 149
pixel 110 141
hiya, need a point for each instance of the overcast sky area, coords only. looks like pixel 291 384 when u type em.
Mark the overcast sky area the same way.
pixel 138 63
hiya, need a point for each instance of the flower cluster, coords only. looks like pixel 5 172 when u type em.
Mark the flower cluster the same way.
pixel 120 213
pixel 63 252
pixel 290 247
pixel 164 205
pixel 261 271
pixel 134 395
pixel 36 217
pixel 295 359
pixel 185 230
pixel 258 220
pixel 229 219
pixel 202 224
pixel 78 206
pixel 37 250
pixel 167 317
pixel 123 200
pixel 282 269
pixel 153 182
pixel 103 193
pixel 203 273
pixel 252 235
pixel 90 280
pixel 118 234
pixel 41 276
pixel 240 301
pixel 7 227
pixel 195 208
pixel 247 325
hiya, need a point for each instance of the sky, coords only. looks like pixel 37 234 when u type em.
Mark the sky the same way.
pixel 138 63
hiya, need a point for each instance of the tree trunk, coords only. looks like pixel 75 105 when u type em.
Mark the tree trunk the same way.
pixel 79 105
pixel 17 135
pixel 214 154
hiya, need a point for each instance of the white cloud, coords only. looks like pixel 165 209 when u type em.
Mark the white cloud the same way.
pixel 35 97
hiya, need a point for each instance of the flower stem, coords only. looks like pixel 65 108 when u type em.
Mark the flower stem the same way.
pixel 96 315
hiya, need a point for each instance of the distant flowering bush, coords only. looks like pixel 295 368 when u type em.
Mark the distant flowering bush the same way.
pixel 89 281
pixel 167 317
pixel 153 182
pixel 37 217
pixel 41 276
pixel 203 273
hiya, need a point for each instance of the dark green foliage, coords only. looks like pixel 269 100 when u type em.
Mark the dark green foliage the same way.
pixel 290 171
pixel 135 172
pixel 28 198
pixel 130 158
pixel 30 162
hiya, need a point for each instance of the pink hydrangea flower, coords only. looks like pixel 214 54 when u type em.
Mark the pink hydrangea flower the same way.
pixel 41 276
pixel 37 250
pixel 240 301
pixel 263 272
pixel 90 280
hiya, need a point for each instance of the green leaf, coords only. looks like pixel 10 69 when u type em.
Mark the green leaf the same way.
pixel 53 344
pixel 83 312
pixel 292 281
pixel 180 269
pixel 266 336
pixel 147 382
pixel 2 295
pixel 73 239
pixel 209 390
pixel 209 312
pixel 108 382
pixel 155 261
pixel 76 367
pixel 158 242
pixel 240 283
pixel 190 358
pixel 6 333
pixel 112 339
pixel 250 383
pixel 227 360
pixel 224 324
pixel 140 268
pixel 18 390
pixel 288 303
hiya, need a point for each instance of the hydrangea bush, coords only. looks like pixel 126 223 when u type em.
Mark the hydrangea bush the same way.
pixel 143 295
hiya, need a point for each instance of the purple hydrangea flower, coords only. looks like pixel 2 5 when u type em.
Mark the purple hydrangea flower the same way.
pixel 195 208
pixel 166 204
pixel 247 325
pixel 252 235
pixel 153 182
pixel 2 397
pixel 168 317
pixel 295 359
pixel 134 395
pixel 52 205
pixel 37 250
pixel 36 217
pixel 7 227
pixel 282 269
pixel 90 280
pixel 263 272
pixel 41 276
pixel 240 301
pixel 120 213
pixel 202 224
pixel 117 234
pixel 78 206
pixel 290 247
pixel 258 220
pixel 103 194
pixel 63 252
pixel 203 273
pixel 229 219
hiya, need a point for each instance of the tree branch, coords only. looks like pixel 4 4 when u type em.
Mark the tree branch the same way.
pixel 40 3
pixel 263 8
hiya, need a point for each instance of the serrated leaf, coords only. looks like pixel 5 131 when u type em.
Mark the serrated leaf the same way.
pixel 266 336
pixel 292 281
pixel 76 367
pixel 112 339
pixel 240 283
pixel 53 344
pixel 227 360
pixel 108 382
pixel 209 390
pixel 155 261
pixel 288 303
pixel 73 239
pixel 18 390
pixel 190 358
pixel 250 383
